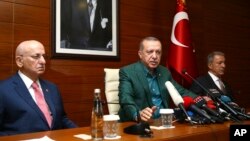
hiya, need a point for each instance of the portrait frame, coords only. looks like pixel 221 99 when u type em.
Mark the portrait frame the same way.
pixel 61 49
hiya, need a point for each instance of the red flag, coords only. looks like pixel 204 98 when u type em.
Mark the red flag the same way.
pixel 181 55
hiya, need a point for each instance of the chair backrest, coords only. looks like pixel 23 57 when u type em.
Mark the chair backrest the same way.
pixel 111 89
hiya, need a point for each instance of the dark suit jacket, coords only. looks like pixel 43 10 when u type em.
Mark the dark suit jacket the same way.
pixel 19 112
pixel 208 83
pixel 134 89
pixel 75 26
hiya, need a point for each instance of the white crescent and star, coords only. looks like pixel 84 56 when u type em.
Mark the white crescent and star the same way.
pixel 177 18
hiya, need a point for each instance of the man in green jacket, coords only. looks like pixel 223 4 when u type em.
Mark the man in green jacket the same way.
pixel 142 84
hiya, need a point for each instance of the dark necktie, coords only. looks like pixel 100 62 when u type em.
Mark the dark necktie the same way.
pixel 41 103
pixel 90 7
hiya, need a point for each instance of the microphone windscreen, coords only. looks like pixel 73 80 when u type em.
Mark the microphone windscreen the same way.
pixel 199 101
pixel 187 101
pixel 211 106
pixel 235 106
pixel 208 100
pixel 225 98
pixel 176 97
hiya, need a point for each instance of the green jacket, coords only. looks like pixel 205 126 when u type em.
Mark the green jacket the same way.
pixel 134 93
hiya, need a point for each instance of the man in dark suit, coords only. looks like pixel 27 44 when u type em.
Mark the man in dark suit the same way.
pixel 142 84
pixel 212 81
pixel 19 105
pixel 86 24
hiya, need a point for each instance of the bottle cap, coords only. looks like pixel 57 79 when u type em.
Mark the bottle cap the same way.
pixel 97 90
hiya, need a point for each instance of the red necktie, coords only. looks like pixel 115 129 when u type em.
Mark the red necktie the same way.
pixel 41 103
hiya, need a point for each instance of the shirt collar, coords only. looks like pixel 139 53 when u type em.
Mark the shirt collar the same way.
pixel 27 81
pixel 146 71
pixel 215 78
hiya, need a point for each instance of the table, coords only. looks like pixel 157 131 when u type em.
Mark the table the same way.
pixel 181 132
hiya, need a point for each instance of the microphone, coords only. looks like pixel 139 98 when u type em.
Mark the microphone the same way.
pixel 184 71
pixel 228 116
pixel 198 119
pixel 235 106
pixel 227 100
pixel 200 102
pixel 141 128
pixel 210 102
pixel 225 115
pixel 189 104
pixel 214 96
pixel 177 99
pixel 227 107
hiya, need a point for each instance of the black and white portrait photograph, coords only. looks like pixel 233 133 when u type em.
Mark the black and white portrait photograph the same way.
pixel 86 28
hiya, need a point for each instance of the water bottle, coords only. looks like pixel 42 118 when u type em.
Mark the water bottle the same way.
pixel 97 117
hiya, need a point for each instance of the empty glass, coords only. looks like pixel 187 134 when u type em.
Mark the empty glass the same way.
pixel 110 127
pixel 166 117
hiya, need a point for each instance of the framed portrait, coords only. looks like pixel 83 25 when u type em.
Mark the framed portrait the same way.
pixel 86 29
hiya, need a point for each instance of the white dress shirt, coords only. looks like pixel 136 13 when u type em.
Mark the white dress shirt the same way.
pixel 28 82
pixel 92 15
pixel 216 80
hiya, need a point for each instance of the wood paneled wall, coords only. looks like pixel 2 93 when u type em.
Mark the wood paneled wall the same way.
pixel 215 25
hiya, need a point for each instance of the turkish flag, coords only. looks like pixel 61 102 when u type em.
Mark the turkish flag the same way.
pixel 181 55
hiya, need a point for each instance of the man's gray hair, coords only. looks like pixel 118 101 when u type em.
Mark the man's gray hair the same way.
pixel 210 56
pixel 150 38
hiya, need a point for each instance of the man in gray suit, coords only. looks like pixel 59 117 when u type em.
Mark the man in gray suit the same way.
pixel 142 84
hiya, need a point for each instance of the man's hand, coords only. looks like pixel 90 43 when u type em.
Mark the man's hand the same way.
pixel 147 113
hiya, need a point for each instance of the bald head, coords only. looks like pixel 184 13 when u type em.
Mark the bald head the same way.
pixel 24 46
pixel 30 58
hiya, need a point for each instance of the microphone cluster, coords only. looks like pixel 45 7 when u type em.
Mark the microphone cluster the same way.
pixel 216 108
pixel 191 113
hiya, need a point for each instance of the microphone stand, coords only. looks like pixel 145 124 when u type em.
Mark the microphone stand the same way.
pixel 140 128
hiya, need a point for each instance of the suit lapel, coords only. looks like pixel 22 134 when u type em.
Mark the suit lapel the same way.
pixel 23 92
pixel 212 84
pixel 144 82
pixel 161 81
